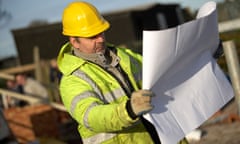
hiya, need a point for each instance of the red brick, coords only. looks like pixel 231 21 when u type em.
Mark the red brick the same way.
pixel 30 122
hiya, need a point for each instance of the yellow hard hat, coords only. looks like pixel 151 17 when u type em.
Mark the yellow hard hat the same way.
pixel 83 19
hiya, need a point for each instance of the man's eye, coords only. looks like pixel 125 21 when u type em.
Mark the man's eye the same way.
pixel 93 37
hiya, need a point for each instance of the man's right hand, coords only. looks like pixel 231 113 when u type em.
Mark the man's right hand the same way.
pixel 141 102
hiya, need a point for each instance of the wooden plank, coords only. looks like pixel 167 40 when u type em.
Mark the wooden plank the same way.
pixel 30 99
pixel 231 56
pixel 229 25
pixel 6 76
pixel 19 69
pixel 37 61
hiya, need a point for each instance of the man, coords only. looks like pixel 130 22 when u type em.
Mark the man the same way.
pixel 101 84
pixel 32 87
pixel 13 86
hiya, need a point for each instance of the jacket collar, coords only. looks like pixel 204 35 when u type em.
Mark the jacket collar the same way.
pixel 68 61
pixel 105 60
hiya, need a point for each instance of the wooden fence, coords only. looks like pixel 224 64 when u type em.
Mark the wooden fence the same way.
pixel 41 71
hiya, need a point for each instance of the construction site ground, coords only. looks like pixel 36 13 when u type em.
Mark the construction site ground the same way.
pixel 222 128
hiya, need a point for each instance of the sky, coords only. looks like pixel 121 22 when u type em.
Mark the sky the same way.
pixel 20 13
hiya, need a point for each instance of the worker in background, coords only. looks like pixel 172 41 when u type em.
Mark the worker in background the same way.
pixel 54 74
pixel 32 87
pixel 101 83
pixel 55 77
pixel 13 86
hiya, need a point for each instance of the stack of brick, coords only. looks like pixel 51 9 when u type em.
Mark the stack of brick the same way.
pixel 31 122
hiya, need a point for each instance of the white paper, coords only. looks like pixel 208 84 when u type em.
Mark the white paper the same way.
pixel 179 68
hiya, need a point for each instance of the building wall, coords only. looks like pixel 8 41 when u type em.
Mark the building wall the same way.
pixel 228 10
pixel 47 37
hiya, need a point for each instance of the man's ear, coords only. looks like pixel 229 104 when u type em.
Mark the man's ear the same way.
pixel 74 42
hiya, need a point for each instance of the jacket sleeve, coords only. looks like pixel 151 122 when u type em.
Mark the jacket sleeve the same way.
pixel 89 111
pixel 110 117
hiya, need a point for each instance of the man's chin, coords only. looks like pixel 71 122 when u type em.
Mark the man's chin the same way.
pixel 101 51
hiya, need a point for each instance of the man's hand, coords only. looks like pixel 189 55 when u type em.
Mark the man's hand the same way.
pixel 141 102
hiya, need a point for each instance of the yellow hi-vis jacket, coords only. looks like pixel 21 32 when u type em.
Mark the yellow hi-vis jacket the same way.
pixel 95 99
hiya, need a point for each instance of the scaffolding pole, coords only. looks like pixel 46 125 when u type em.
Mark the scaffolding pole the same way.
pixel 233 68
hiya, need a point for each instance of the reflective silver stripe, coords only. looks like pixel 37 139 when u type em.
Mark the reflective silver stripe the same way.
pixel 86 78
pixel 110 96
pixel 115 94
pixel 98 138
pixel 76 99
pixel 137 76
pixel 85 117
pixel 106 98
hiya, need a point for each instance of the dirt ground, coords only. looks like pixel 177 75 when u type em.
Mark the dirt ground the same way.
pixel 222 128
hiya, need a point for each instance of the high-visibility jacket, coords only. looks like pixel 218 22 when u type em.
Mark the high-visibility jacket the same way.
pixel 95 99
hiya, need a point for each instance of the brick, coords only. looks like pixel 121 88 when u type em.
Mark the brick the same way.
pixel 30 122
